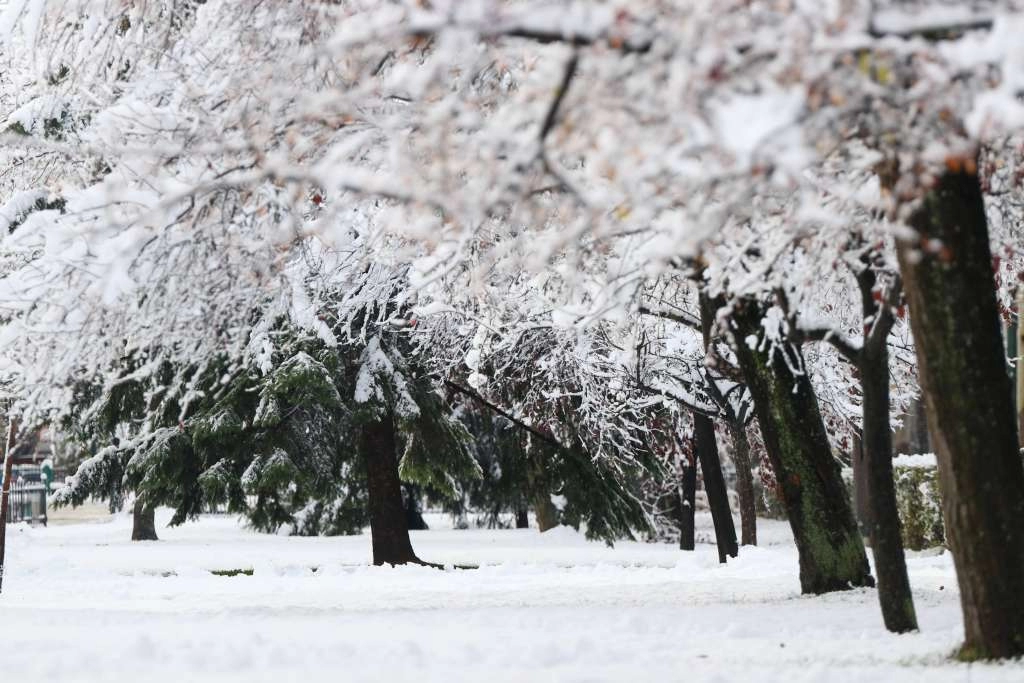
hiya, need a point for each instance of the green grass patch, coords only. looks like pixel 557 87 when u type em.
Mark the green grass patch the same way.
pixel 232 572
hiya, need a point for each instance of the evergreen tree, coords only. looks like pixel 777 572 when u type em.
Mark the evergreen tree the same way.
pixel 280 446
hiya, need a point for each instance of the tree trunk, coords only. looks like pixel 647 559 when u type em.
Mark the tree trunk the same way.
pixel 545 511
pixel 894 593
pixel 744 484
pixel 522 518
pixel 919 442
pixel 831 549
pixel 5 491
pixel 1019 388
pixel 968 401
pixel 388 530
pixel 688 502
pixel 714 487
pixel 143 522
pixel 543 508
pixel 707 452
pixel 413 514
pixel 861 494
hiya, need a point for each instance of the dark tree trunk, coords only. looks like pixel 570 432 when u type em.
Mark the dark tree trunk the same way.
pixel 861 495
pixel 688 501
pixel 143 522
pixel 969 404
pixel 707 453
pixel 5 491
pixel 522 518
pixel 670 505
pixel 919 441
pixel 545 511
pixel 874 489
pixel 714 486
pixel 873 475
pixel 744 484
pixel 894 593
pixel 413 514
pixel 388 529
pixel 831 550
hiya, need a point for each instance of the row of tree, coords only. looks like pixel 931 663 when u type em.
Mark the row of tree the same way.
pixel 285 256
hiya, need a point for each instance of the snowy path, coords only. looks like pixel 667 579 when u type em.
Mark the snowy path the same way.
pixel 81 603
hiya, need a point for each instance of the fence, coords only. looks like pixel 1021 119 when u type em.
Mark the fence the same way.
pixel 27 503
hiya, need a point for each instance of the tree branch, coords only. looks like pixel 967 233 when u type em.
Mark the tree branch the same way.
pixel 626 44
pixel 681 318
pixel 847 348
pixel 690 405
pixel 466 391
pixel 885 318
pixel 556 104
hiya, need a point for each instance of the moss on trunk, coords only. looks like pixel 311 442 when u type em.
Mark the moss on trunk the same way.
pixel 829 544
pixel 969 405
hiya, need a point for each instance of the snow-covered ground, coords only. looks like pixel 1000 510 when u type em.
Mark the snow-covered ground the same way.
pixel 82 603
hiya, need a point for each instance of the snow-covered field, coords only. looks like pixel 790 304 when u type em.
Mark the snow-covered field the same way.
pixel 82 603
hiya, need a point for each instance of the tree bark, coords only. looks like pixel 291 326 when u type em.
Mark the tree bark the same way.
pixel 744 484
pixel 1019 388
pixel 545 511
pixel 413 514
pixel 688 502
pixel 5 491
pixel 968 401
pixel 829 544
pixel 894 593
pixel 143 522
pixel 861 494
pixel 707 451
pixel 874 489
pixel 714 487
pixel 920 442
pixel 873 457
pixel 522 518
pixel 388 530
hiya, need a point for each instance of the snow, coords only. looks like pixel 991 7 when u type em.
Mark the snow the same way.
pixel 747 123
pixel 375 367
pixel 17 207
pixel 82 603
pixel 926 460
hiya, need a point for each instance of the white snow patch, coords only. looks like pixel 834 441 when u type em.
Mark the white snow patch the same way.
pixel 550 607
pixel 917 460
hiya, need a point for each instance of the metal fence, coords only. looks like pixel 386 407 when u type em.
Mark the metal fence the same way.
pixel 27 503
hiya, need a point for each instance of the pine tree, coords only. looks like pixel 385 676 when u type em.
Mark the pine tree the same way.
pixel 275 446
